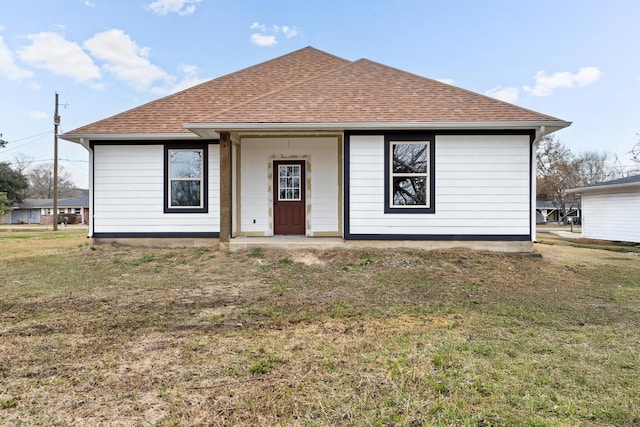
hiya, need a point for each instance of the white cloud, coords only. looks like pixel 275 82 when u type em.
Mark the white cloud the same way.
pixel 190 78
pixel 181 7
pixel 289 32
pixel 53 52
pixel 447 81
pixel 38 115
pixel 263 40
pixel 545 84
pixel 124 59
pixel 8 67
pixel 258 26
pixel 267 37
pixel 506 94
pixel 89 3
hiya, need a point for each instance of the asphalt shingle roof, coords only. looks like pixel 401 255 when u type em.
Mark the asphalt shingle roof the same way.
pixel 627 180
pixel 82 201
pixel 311 86
pixel 168 114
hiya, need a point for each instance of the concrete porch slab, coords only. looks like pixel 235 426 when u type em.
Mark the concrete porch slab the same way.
pixel 328 243
pixel 284 242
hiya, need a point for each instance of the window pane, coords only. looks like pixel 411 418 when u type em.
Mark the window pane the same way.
pixel 289 182
pixel 409 158
pixel 410 191
pixel 185 193
pixel 186 164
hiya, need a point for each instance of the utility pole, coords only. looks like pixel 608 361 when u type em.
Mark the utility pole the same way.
pixel 56 123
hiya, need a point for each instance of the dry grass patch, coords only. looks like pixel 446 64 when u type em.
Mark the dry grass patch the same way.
pixel 38 240
pixel 123 336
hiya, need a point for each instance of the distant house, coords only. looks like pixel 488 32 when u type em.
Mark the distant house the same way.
pixel 313 145
pixel 40 211
pixel 611 209
pixel 547 213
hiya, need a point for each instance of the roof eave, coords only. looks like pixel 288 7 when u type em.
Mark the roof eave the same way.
pixel 137 136
pixel 209 129
pixel 604 187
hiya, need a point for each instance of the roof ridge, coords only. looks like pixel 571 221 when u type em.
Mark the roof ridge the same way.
pixel 209 81
pixel 454 86
pixel 273 92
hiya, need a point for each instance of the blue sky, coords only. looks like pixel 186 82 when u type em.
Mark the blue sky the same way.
pixel 575 60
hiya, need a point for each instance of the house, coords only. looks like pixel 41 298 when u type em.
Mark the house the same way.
pixel 310 144
pixel 610 209
pixel 40 211
pixel 546 212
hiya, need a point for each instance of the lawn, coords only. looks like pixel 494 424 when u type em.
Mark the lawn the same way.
pixel 110 335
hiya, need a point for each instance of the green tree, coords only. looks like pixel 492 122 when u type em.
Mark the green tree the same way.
pixel 13 183
pixel 4 203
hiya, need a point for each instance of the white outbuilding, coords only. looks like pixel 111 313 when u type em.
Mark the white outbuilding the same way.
pixel 610 209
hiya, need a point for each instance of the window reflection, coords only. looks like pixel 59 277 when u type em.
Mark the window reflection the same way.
pixel 185 171
pixel 409 174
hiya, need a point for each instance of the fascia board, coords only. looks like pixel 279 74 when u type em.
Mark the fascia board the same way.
pixel 78 137
pixel 603 188
pixel 202 128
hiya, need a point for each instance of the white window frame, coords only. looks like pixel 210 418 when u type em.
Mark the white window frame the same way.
pixel 299 167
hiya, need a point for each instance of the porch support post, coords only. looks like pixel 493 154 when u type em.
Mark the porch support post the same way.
pixel 225 187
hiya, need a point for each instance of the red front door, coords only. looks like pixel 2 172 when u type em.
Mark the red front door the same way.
pixel 289 197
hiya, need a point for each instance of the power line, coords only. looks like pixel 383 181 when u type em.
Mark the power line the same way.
pixel 39 137
pixel 45 160
pixel 29 137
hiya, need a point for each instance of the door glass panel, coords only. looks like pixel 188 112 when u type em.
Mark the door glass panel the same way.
pixel 289 182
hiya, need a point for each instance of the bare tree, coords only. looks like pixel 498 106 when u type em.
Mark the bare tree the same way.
pixel 559 169
pixel 22 163
pixel 41 183
pixel 635 152
pixel 594 167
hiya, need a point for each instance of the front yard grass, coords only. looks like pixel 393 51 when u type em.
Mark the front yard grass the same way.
pixel 111 335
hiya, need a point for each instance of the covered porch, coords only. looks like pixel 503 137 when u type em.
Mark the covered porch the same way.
pixel 285 187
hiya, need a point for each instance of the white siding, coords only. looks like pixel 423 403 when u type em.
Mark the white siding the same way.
pixel 257 156
pixel 129 192
pixel 611 216
pixel 481 188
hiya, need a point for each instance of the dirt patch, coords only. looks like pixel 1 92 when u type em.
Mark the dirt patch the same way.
pixel 307 258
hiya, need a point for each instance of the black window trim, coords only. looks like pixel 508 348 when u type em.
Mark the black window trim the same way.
pixel 431 176
pixel 205 176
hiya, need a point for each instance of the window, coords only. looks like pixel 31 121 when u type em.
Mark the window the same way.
pixel 62 211
pixel 77 211
pixel 186 179
pixel 409 172
pixel 48 211
pixel 290 184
